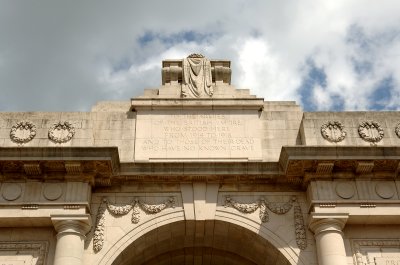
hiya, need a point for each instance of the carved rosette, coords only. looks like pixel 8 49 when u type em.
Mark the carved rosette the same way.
pixel 333 131
pixel 120 210
pixel 23 132
pixel 61 132
pixel 277 208
pixel 370 131
pixel 397 130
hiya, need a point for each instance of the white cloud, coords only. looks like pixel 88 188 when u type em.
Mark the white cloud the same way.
pixel 67 56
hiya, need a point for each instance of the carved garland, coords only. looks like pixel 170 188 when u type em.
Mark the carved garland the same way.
pixel 333 131
pixel 366 131
pixel 119 210
pixel 61 127
pixel 277 208
pixel 17 129
pixel 397 130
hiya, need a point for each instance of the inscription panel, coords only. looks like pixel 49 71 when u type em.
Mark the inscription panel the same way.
pixel 178 135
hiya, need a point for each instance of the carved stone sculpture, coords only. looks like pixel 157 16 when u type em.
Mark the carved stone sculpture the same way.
pixel 397 130
pixel 23 132
pixel 277 208
pixel 119 210
pixel 370 131
pixel 333 131
pixel 61 132
pixel 197 78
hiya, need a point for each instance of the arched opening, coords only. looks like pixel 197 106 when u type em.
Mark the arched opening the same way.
pixel 201 242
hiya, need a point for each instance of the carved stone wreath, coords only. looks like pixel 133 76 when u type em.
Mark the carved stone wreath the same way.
pixel 61 132
pixel 119 210
pixel 370 131
pixel 23 132
pixel 333 131
pixel 397 130
pixel 277 208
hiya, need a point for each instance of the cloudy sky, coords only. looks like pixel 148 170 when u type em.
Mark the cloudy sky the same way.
pixel 326 55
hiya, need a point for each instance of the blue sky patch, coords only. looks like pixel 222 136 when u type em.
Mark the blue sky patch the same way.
pixel 315 76
pixel 381 96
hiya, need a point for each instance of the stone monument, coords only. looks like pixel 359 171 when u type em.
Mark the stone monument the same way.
pixel 197 77
pixel 197 171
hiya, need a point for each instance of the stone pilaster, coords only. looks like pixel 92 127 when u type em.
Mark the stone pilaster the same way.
pixel 329 238
pixel 70 238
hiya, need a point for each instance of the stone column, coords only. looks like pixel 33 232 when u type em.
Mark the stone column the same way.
pixel 70 238
pixel 329 238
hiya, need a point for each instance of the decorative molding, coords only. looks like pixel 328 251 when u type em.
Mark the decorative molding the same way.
pixel 327 205
pixel 333 131
pixel 30 207
pixel 119 210
pixel 73 167
pixel 52 191
pixel 345 190
pixel 360 256
pixel 61 132
pixel 397 130
pixel 23 132
pixel 367 205
pixel 11 191
pixel 384 190
pixel 364 167
pixel 32 169
pixel 39 249
pixel 325 168
pixel 276 207
pixel 370 131
pixel 72 206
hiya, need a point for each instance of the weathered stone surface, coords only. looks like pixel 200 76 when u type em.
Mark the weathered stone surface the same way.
pixel 223 178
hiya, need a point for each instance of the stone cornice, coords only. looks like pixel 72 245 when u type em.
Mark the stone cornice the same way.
pixel 191 103
pixel 320 162
pixel 101 166
pixel 88 164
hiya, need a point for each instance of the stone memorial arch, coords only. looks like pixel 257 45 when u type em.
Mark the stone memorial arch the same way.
pixel 199 172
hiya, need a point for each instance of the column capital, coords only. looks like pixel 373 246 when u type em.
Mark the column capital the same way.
pixel 319 223
pixel 77 223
